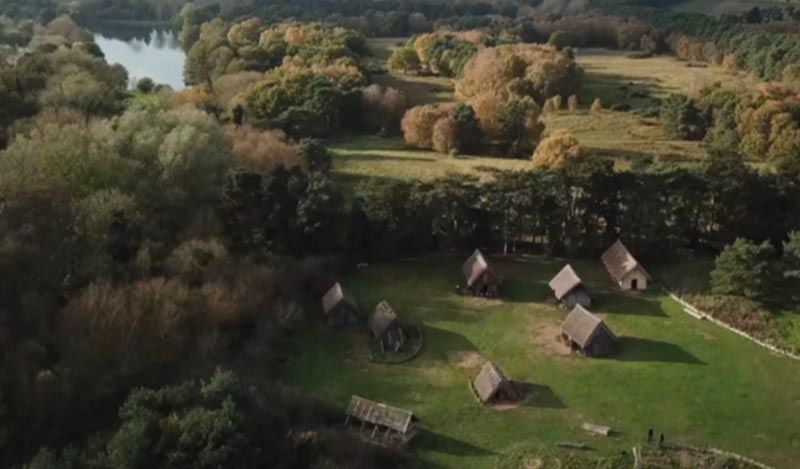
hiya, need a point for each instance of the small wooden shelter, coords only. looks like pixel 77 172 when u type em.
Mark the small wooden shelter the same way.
pixel 624 268
pixel 587 333
pixel 569 289
pixel 480 278
pixel 340 307
pixel 492 386
pixel 386 328
pixel 381 423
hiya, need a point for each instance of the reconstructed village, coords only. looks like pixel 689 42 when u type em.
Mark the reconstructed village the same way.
pixel 399 234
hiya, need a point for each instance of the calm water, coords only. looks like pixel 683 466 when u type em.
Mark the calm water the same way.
pixel 149 52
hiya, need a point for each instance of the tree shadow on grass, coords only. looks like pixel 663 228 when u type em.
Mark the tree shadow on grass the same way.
pixel 635 349
pixel 618 302
pixel 441 342
pixel 518 290
pixel 432 441
pixel 376 157
pixel 539 395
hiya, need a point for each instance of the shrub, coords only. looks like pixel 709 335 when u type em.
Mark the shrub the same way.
pixel 261 151
pixel 527 70
pixel 562 39
pixel 383 108
pixel 445 135
pixel 417 124
pixel 558 151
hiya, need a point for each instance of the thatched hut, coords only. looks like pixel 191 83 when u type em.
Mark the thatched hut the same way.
pixel 587 333
pixel 381 423
pixel 480 278
pixel 624 268
pixel 492 386
pixel 569 289
pixel 339 306
pixel 386 328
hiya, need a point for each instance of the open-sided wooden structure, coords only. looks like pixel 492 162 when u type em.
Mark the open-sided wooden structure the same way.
pixel 381 423
pixel 386 327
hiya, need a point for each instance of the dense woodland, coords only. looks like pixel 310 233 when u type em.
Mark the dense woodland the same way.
pixel 148 236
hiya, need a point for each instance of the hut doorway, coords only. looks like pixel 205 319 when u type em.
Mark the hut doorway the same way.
pixel 635 284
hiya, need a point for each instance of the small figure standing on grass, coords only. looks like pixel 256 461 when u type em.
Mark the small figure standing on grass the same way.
pixel 650 435
pixel 597 106
pixel 661 440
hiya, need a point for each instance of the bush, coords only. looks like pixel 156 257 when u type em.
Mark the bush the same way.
pixel 558 151
pixel 562 39
pixel 536 71
pixel 418 123
pixel 445 135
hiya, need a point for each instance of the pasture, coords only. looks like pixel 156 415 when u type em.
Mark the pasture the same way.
pixel 614 77
pixel 372 156
pixel 688 379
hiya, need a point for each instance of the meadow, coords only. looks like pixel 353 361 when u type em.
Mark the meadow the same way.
pixel 612 76
pixel 685 378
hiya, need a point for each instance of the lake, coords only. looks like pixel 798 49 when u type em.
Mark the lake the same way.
pixel 144 52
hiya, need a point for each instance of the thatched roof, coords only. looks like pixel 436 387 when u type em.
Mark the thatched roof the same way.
pixel 489 381
pixel 474 267
pixel 382 319
pixel 581 326
pixel 335 296
pixel 380 414
pixel 619 262
pixel 565 281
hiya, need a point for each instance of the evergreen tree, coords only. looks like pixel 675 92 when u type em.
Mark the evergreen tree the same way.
pixel 742 269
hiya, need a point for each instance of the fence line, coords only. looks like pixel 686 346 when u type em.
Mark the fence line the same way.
pixel 739 457
pixel 696 313
pixel 639 458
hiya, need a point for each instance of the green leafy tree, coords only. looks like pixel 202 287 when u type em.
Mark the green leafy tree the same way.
pixel 145 85
pixel 742 269
pixel 682 119
pixel 316 157
pixel 404 59
pixel 470 137
pixel 205 427
pixel 562 39
pixel 521 126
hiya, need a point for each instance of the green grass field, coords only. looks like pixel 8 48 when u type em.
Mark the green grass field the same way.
pixel 688 379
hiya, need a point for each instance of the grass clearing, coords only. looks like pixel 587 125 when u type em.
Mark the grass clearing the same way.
pixel 610 75
pixel 733 7
pixel 420 90
pixel 689 379
pixel 371 156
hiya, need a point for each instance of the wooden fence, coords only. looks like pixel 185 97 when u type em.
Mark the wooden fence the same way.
pixel 639 458
pixel 696 313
